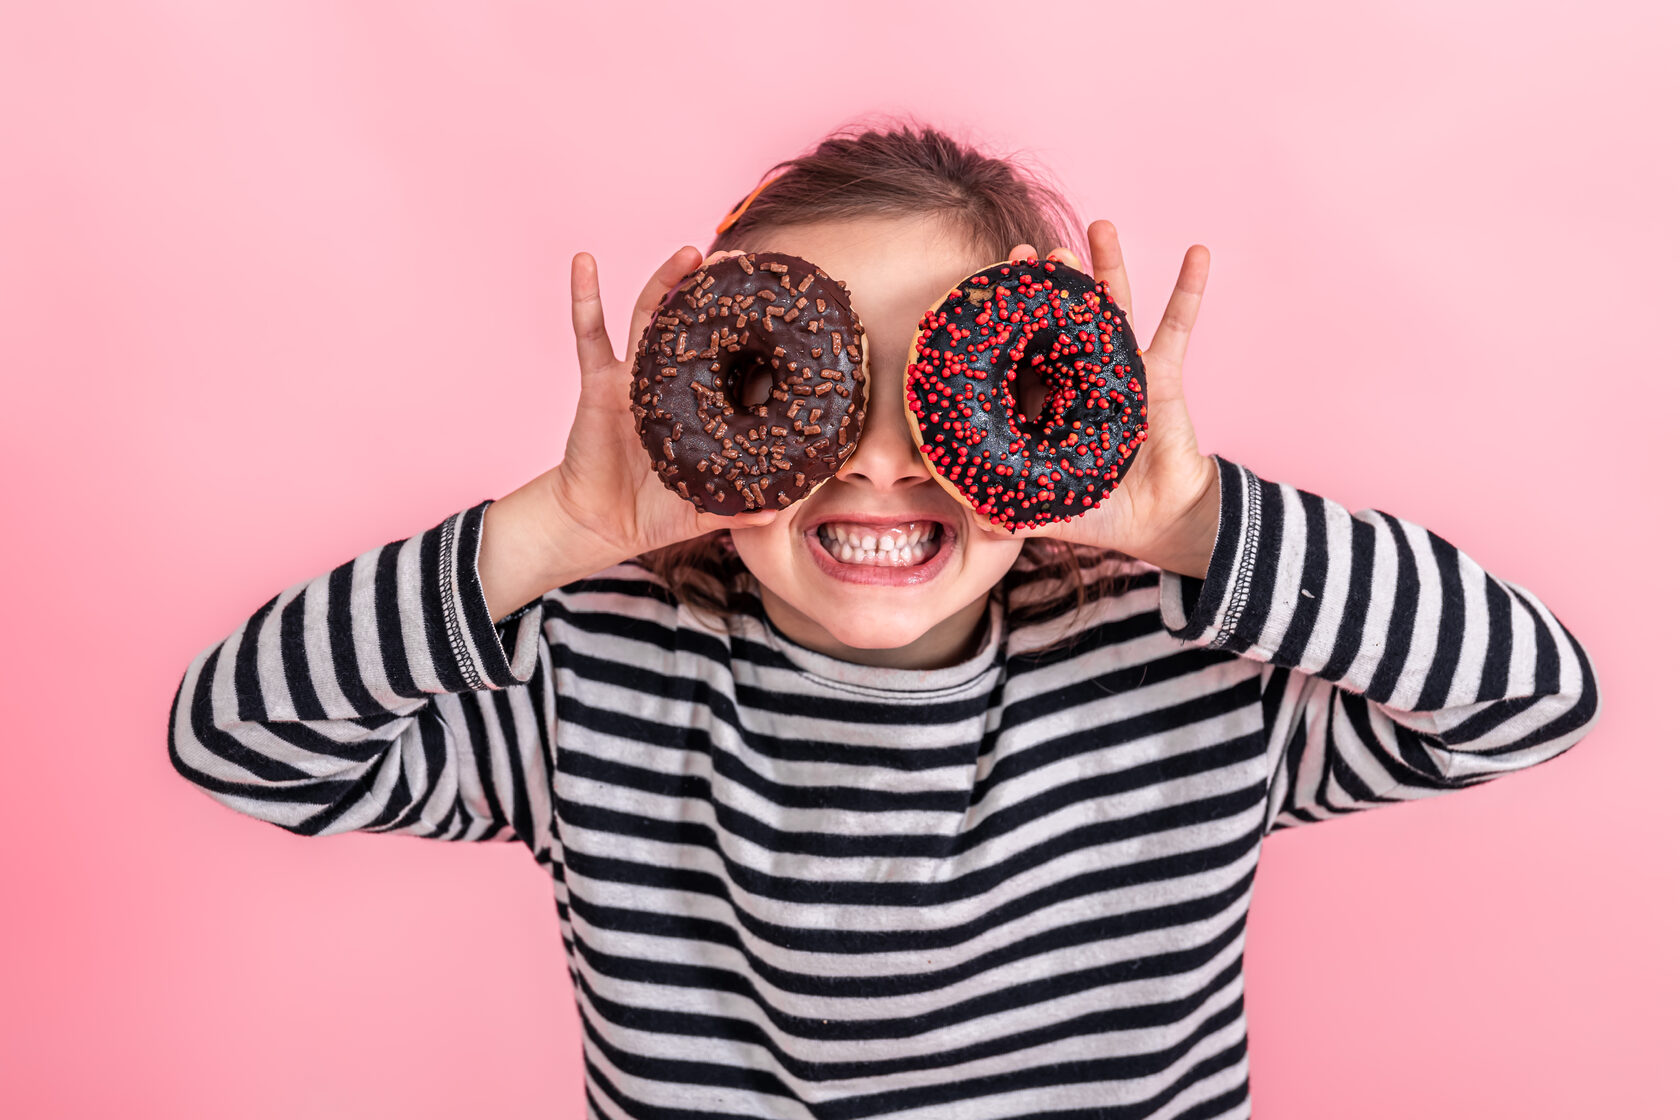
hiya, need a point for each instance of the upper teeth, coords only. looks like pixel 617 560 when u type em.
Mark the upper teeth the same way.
pixel 869 538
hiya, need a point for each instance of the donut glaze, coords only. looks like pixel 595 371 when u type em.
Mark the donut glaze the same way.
pixel 721 324
pixel 1043 317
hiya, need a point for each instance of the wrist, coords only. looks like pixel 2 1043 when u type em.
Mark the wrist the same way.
pixel 531 545
pixel 1187 547
pixel 576 547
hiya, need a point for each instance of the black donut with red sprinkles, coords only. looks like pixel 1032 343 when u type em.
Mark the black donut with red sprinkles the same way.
pixel 1053 322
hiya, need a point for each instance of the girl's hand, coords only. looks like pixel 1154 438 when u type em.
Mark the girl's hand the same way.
pixel 1166 509
pixel 606 486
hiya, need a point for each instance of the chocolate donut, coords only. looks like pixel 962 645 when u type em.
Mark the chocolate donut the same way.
pixel 720 326
pixel 1044 318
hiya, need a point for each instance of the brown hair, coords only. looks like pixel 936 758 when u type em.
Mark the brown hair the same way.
pixel 905 168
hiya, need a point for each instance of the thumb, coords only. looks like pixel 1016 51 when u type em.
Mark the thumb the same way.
pixel 748 519
pixel 659 285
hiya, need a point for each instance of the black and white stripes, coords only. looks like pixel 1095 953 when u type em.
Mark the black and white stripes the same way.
pixel 1396 667
pixel 791 886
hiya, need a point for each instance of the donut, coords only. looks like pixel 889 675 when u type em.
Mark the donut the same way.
pixel 1042 318
pixel 722 326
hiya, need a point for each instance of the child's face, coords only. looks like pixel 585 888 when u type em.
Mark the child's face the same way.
pixel 875 612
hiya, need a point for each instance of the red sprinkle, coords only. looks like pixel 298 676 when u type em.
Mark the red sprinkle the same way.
pixel 967 356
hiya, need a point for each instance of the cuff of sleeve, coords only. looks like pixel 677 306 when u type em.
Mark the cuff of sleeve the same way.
pixel 487 654
pixel 1207 611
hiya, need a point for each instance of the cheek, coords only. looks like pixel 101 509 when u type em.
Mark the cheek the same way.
pixel 761 546
pixel 990 555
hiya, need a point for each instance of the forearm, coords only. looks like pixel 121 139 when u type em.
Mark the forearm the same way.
pixel 1380 606
pixel 529 547
pixel 348 701
pixel 1396 667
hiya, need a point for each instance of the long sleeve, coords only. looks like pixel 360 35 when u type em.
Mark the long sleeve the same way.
pixel 379 696
pixel 1395 667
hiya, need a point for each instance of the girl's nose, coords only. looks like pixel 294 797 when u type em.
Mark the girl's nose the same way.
pixel 887 455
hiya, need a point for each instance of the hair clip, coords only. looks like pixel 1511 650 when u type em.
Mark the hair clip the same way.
pixel 746 202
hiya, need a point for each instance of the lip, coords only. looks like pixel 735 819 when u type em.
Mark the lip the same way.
pixel 878 575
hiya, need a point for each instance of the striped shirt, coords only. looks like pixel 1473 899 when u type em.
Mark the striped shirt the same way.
pixel 794 886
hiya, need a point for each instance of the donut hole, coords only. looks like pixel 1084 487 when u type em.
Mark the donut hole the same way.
pixel 1030 393
pixel 751 384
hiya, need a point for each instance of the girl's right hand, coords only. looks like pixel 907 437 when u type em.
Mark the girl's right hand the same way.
pixel 606 485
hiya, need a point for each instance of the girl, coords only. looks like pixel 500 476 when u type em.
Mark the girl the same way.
pixel 833 837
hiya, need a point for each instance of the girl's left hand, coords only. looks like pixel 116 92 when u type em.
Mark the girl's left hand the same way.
pixel 1166 509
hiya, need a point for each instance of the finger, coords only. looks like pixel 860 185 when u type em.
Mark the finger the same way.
pixel 1021 251
pixel 1064 255
pixel 594 348
pixel 678 265
pixel 986 525
pixel 747 519
pixel 1172 337
pixel 1107 264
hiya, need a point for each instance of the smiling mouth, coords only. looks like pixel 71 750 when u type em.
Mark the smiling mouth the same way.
pixel 908 545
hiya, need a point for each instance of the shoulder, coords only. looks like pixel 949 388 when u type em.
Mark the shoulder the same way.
pixel 1056 578
pixel 626 625
pixel 630 578
pixel 630 590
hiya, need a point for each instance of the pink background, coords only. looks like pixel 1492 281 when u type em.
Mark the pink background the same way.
pixel 259 262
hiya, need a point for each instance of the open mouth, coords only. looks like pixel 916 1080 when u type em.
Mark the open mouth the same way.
pixel 904 546
pixel 900 552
